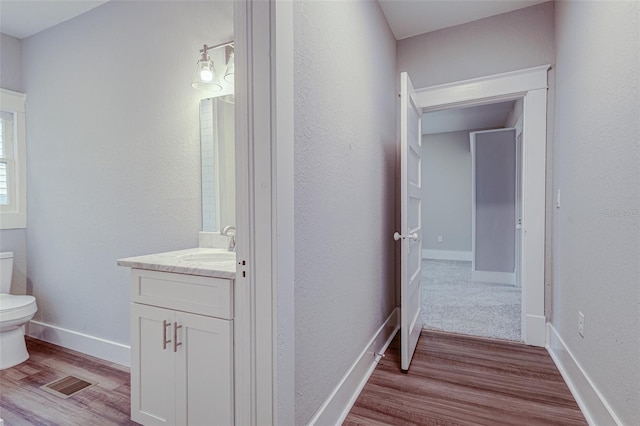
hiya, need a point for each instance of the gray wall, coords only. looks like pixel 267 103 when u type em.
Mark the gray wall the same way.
pixel 113 152
pixel 507 42
pixel 495 169
pixel 597 167
pixel 10 63
pixel 14 240
pixel 345 166
pixel 446 191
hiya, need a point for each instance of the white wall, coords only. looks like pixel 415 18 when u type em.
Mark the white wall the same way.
pixel 446 191
pixel 345 189
pixel 597 168
pixel 14 240
pixel 113 152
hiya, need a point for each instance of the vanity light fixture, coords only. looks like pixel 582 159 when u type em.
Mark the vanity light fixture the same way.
pixel 228 74
pixel 204 77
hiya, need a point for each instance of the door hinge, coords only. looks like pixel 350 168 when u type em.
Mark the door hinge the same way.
pixel 244 272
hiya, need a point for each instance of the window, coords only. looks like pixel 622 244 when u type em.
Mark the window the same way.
pixel 13 195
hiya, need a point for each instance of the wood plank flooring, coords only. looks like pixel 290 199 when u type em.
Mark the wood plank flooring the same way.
pixel 463 380
pixel 22 402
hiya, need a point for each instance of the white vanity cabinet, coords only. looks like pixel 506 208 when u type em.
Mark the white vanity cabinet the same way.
pixel 182 349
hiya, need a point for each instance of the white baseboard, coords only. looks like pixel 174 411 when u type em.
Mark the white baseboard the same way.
pixel 447 255
pixel 337 406
pixel 90 345
pixel 593 405
pixel 494 277
pixel 535 330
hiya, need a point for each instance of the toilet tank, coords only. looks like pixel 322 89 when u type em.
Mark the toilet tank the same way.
pixel 6 271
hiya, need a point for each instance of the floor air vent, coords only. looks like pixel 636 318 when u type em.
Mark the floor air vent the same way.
pixel 66 387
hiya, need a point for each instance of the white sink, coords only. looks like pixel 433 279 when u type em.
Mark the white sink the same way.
pixel 209 257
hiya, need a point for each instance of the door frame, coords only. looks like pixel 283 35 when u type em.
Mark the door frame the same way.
pixel 531 85
pixel 264 328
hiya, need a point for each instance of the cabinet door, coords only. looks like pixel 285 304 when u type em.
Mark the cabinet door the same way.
pixel 204 370
pixel 152 366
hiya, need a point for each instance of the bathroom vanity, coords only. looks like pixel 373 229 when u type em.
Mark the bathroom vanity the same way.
pixel 182 337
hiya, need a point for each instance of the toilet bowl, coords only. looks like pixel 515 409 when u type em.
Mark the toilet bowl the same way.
pixel 15 312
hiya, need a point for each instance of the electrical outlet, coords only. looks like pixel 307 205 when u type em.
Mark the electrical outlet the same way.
pixel 440 238
pixel 581 324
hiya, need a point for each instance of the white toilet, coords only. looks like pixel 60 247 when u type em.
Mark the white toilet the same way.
pixel 15 311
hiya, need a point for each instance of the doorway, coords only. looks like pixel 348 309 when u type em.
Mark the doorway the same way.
pixel 469 256
pixel 531 85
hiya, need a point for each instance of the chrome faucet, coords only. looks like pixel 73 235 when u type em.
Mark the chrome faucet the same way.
pixel 230 231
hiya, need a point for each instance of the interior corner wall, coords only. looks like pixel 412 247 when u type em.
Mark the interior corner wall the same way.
pixel 446 191
pixel 13 240
pixel 113 152
pixel 597 169
pixel 345 159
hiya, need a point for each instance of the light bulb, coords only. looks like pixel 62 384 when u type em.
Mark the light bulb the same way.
pixel 206 75
pixel 206 71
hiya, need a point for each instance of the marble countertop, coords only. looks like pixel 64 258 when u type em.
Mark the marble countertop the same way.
pixel 178 262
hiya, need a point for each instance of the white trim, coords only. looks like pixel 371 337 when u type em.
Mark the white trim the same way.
pixel 518 126
pixel 592 403
pixel 337 406
pixel 90 345
pixel 284 277
pixel 16 217
pixel 532 85
pixel 472 150
pixel 447 255
pixel 536 330
pixel 509 85
pixel 494 277
pixel 245 362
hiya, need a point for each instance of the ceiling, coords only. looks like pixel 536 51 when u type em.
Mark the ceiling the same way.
pixel 470 118
pixel 22 18
pixel 408 18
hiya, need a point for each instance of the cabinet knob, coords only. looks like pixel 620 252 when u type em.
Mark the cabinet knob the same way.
pixel 165 325
pixel 175 337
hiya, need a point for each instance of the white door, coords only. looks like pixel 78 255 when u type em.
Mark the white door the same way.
pixel 411 217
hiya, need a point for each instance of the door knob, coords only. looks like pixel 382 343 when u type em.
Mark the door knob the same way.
pixel 397 236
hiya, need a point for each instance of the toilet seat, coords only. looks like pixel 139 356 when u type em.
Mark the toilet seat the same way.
pixel 14 307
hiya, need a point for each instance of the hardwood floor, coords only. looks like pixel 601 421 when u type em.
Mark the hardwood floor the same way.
pixel 463 380
pixel 22 402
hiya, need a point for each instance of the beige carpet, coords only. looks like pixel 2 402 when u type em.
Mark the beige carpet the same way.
pixel 452 302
